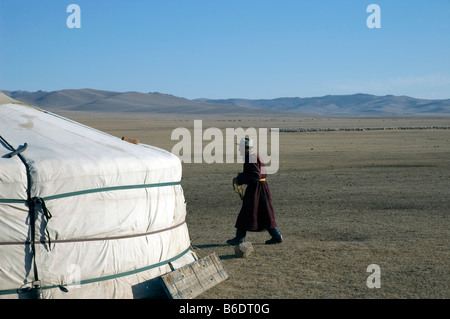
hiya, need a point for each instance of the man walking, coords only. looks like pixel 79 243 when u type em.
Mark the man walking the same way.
pixel 257 213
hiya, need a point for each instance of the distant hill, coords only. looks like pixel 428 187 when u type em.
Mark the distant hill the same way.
pixel 356 104
pixel 109 101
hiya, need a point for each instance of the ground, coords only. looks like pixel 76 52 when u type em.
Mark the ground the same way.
pixel 343 200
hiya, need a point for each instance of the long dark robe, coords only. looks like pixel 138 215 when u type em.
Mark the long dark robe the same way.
pixel 257 213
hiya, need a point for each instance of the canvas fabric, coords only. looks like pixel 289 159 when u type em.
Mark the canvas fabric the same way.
pixel 117 210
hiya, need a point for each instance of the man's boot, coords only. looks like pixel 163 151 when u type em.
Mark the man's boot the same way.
pixel 276 237
pixel 240 237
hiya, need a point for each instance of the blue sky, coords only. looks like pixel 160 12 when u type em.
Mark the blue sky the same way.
pixel 228 49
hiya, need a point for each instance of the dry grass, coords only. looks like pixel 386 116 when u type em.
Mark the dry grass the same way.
pixel 343 200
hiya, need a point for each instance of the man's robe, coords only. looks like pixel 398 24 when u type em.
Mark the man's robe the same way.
pixel 257 213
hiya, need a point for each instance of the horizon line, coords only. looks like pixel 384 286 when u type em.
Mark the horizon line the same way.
pixel 229 98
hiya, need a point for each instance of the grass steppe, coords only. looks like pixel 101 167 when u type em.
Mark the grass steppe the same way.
pixel 343 200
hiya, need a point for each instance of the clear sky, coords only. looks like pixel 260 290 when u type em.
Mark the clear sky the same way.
pixel 228 48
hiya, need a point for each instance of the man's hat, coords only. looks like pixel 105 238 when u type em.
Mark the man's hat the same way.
pixel 246 142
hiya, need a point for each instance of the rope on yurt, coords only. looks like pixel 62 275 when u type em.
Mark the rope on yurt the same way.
pixel 33 215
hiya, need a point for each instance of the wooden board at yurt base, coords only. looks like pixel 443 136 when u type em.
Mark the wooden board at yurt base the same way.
pixel 191 280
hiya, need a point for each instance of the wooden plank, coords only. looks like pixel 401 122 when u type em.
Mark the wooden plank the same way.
pixel 193 279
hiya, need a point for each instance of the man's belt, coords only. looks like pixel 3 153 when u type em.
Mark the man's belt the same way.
pixel 239 189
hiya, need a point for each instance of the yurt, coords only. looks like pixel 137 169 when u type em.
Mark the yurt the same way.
pixel 84 214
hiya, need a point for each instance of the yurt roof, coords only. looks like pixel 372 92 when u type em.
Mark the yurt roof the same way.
pixel 68 157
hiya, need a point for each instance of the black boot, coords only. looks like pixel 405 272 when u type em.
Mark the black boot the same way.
pixel 240 237
pixel 276 237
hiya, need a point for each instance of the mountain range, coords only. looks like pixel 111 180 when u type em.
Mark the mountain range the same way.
pixel 153 102
pixel 355 104
pixel 117 102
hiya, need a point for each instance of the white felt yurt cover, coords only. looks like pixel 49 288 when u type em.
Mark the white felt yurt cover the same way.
pixel 109 216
